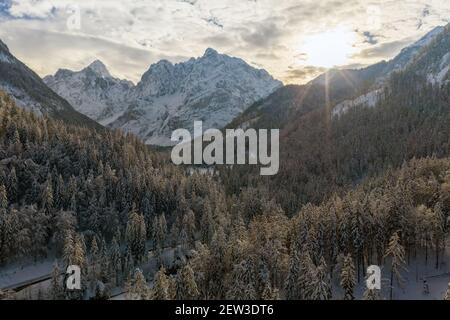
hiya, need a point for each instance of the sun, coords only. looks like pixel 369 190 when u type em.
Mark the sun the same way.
pixel 329 49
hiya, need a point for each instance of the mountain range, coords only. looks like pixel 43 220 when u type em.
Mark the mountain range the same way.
pixel 214 88
pixel 218 89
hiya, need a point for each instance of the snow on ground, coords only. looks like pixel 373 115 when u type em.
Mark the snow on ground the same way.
pixel 22 272
pixel 413 289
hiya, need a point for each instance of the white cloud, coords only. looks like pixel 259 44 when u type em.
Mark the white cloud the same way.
pixel 31 8
pixel 268 33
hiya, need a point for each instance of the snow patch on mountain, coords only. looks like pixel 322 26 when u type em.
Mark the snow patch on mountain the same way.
pixel 369 99
pixel 442 73
pixel 5 58
pixel 22 99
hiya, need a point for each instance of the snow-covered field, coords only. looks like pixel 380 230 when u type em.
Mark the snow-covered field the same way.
pixel 25 271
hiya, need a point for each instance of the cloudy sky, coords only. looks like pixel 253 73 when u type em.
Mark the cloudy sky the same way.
pixel 293 39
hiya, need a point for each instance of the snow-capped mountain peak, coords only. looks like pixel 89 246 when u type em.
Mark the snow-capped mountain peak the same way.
pixel 92 91
pixel 210 52
pixel 99 68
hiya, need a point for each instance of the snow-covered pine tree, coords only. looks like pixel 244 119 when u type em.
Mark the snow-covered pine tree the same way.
pixel 128 264
pixel 47 195
pixel 447 294
pixel 68 248
pixel 136 235
pixel 371 294
pixel 94 264
pixel 79 255
pixel 396 252
pixel 56 290
pixel 292 287
pixel 93 250
pixel 306 275
pixel 207 223
pixel 242 285
pixel 161 286
pixel 438 222
pixel 137 288
pixel 3 197
pixel 115 262
pixel 348 277
pixel 321 285
pixel 12 185
pixel 186 287
pixel 105 275
pixel 190 227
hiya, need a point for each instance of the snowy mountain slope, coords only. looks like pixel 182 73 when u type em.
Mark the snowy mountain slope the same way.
pixel 436 68
pixel 369 99
pixel 408 54
pixel 214 88
pixel 93 91
pixel 30 92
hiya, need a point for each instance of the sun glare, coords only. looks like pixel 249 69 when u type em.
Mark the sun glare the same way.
pixel 329 49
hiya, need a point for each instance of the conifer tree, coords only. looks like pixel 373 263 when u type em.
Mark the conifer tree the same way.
pixel 79 255
pixel 306 276
pixel 56 291
pixel 348 277
pixel 47 196
pixel 186 287
pixel 115 259
pixel 136 235
pixel 137 288
pixel 105 275
pixel 128 264
pixel 161 286
pixel 3 198
pixel 292 287
pixel 242 285
pixel 371 294
pixel 321 285
pixel 396 253
pixel 68 248
pixel 447 294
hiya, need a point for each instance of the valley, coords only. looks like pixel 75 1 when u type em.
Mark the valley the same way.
pixel 364 179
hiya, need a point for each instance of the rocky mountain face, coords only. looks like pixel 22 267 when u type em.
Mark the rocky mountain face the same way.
pixel 214 88
pixel 31 93
pixel 93 91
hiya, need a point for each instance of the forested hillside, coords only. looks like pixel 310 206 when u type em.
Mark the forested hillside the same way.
pixel 69 191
